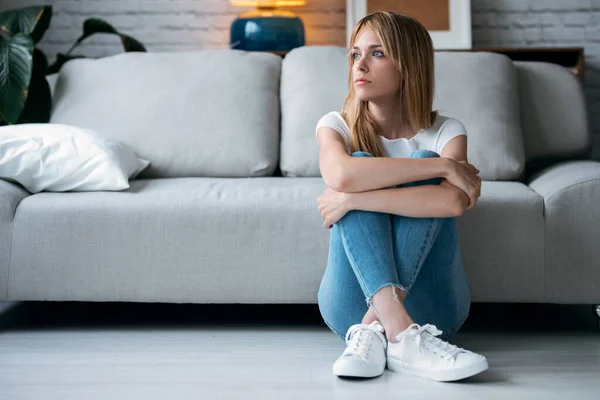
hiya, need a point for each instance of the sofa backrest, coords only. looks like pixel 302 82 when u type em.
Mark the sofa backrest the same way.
pixel 479 89
pixel 553 112
pixel 203 113
pixel 217 112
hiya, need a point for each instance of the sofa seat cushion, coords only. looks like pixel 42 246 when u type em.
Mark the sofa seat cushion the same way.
pixel 259 240
pixel 502 241
pixel 197 240
pixel 211 113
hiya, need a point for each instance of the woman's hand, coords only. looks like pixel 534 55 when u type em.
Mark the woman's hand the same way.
pixel 464 176
pixel 333 205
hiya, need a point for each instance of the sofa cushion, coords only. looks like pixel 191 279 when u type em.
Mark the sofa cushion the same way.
pixel 180 240
pixel 478 89
pixel 313 83
pixel 502 242
pixel 481 90
pixel 258 240
pixel 553 111
pixel 202 113
pixel 60 158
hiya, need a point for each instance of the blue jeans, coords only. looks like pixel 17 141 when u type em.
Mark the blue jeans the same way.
pixel 370 250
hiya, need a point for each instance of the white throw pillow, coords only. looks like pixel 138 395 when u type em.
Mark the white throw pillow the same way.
pixel 58 158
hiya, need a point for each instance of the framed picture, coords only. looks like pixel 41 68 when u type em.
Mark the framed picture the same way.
pixel 447 21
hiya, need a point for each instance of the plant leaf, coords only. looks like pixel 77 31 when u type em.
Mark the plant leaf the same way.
pixel 95 25
pixel 40 62
pixel 42 24
pixel 131 44
pixel 61 59
pixel 16 64
pixel 39 101
pixel 92 26
pixel 29 20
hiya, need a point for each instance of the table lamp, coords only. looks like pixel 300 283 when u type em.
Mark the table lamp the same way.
pixel 266 28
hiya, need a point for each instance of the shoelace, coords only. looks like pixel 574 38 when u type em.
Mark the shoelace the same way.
pixel 426 335
pixel 358 341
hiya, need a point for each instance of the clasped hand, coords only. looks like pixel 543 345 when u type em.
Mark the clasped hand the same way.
pixel 333 205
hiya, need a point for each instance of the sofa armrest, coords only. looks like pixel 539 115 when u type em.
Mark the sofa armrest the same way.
pixel 10 196
pixel 571 192
pixel 572 176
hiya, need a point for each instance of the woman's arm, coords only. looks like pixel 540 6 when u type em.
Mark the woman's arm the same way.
pixel 429 201
pixel 457 150
pixel 360 174
pixel 441 201
pixel 345 173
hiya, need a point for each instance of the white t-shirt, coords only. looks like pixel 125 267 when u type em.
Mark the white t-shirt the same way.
pixel 435 138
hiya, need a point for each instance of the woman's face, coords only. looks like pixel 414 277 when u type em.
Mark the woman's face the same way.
pixel 374 74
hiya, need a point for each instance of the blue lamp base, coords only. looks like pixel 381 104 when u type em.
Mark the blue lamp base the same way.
pixel 267 33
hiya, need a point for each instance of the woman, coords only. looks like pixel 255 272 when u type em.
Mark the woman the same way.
pixel 397 176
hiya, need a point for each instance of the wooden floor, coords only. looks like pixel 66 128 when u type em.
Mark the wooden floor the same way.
pixel 155 351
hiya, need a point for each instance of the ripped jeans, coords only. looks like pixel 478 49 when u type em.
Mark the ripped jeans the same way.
pixel 370 250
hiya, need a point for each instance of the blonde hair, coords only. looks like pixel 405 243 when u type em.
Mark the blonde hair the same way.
pixel 409 45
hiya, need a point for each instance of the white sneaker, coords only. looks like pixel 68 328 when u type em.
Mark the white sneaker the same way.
pixel 419 352
pixel 365 352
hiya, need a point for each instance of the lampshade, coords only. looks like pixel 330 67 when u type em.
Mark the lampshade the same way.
pixel 267 3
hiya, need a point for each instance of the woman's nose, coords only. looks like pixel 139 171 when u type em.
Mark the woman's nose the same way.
pixel 361 64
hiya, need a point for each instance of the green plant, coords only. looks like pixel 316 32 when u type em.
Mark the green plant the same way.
pixel 24 92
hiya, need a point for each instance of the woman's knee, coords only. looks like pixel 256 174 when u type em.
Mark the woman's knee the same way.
pixel 334 322
pixel 334 330
pixel 461 314
pixel 423 153
pixel 361 154
pixel 449 334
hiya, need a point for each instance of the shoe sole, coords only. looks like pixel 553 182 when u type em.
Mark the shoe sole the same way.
pixel 345 371
pixel 440 376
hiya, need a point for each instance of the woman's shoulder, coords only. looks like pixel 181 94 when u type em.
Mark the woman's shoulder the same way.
pixel 448 129
pixel 332 116
pixel 334 120
pixel 446 124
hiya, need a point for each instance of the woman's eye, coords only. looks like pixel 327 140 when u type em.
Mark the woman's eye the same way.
pixel 378 54
pixel 355 56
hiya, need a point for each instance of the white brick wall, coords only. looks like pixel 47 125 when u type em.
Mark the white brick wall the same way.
pixel 171 25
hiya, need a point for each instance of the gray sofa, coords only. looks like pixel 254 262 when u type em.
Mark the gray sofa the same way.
pixel 227 211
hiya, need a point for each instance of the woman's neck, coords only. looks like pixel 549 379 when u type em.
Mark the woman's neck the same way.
pixel 391 120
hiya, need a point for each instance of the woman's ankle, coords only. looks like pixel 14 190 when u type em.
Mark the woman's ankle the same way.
pixel 370 316
pixel 397 327
pixel 388 304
